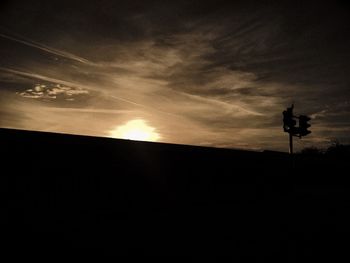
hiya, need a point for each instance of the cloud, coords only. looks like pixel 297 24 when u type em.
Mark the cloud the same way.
pixel 53 92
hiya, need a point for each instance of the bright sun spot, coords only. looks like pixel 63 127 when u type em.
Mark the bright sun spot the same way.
pixel 135 130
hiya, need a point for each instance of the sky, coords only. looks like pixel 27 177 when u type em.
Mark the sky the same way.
pixel 210 73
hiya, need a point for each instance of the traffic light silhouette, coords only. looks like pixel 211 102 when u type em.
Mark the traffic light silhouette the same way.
pixel 289 125
pixel 288 121
pixel 304 125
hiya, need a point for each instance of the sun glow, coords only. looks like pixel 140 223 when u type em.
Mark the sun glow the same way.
pixel 137 130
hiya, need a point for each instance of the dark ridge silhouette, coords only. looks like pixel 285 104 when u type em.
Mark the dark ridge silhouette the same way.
pixel 79 195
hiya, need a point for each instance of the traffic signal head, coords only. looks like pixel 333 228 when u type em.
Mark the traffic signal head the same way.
pixel 288 121
pixel 304 125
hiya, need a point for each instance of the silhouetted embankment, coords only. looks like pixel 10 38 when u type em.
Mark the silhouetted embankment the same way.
pixel 71 194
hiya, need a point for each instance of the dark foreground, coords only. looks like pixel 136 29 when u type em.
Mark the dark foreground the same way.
pixel 85 196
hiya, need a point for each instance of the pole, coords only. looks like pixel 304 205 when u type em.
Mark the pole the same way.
pixel 291 151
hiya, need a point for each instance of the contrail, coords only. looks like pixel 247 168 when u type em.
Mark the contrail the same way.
pixel 58 81
pixel 223 103
pixel 89 110
pixel 50 50
pixel 37 76
pixel 49 79
pixel 143 106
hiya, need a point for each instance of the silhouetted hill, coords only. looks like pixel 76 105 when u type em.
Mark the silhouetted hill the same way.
pixel 72 194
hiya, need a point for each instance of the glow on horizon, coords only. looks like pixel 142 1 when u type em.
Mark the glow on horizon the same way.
pixel 137 130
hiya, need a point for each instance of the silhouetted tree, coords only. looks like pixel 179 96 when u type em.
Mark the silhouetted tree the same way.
pixel 313 150
pixel 337 149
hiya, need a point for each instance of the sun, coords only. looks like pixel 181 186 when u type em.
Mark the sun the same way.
pixel 137 130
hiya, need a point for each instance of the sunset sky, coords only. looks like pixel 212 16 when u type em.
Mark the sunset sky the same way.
pixel 211 73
